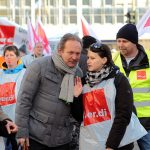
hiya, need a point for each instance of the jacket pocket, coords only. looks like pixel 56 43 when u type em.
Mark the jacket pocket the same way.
pixel 49 84
pixel 51 77
pixel 38 126
pixel 39 116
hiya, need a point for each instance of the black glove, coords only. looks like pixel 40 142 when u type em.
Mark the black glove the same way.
pixel 3 130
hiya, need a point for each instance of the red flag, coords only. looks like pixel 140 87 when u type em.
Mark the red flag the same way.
pixel 32 36
pixel 42 37
pixel 147 24
pixel 143 26
pixel 85 29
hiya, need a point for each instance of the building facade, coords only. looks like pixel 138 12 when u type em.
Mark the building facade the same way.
pixel 64 12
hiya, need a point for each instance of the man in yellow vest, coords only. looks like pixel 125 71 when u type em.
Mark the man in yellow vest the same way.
pixel 134 62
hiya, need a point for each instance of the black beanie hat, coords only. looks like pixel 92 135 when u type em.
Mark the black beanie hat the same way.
pixel 129 32
pixel 87 41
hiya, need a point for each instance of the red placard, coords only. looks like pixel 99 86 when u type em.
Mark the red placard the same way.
pixel 7 34
pixel 7 93
pixel 95 107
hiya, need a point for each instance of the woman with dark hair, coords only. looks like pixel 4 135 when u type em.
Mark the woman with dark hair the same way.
pixel 108 121
pixel 10 80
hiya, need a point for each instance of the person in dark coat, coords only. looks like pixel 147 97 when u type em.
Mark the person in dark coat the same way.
pixel 23 50
pixel 44 101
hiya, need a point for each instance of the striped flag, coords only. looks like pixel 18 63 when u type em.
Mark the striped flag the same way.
pixel 143 26
pixel 32 36
pixel 43 38
pixel 85 29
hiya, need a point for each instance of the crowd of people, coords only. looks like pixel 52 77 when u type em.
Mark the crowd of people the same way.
pixel 82 97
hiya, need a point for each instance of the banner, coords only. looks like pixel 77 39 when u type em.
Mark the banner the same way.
pixel 6 34
pixel 11 33
pixel 95 107
pixel 43 38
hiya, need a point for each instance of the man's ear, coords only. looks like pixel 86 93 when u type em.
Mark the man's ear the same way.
pixel 59 51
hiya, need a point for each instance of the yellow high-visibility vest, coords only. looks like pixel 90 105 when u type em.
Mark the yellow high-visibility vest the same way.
pixel 140 83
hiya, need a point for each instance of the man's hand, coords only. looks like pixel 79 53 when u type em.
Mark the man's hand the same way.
pixel 23 141
pixel 11 127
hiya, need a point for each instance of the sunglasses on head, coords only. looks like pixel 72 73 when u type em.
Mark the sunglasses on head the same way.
pixel 96 45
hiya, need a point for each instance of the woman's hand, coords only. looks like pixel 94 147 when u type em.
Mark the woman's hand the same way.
pixel 77 86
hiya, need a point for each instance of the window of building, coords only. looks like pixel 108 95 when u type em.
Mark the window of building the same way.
pixel 65 16
pixel 28 2
pixel 73 11
pixel 108 19
pixel 65 20
pixel 87 18
pixel 42 19
pixel 51 2
pixel 85 2
pixel 3 3
pixel 97 19
pixel 85 11
pixel 108 11
pixel 52 20
pixel 16 2
pixel 27 12
pixel 17 12
pixel 120 19
pixel 108 2
pixel 73 2
pixel 97 15
pixel 3 13
pixel 64 3
pixel 119 11
pixel 141 13
pixel 97 11
pixel 52 16
pixel 73 17
pixel 17 19
pixel 142 10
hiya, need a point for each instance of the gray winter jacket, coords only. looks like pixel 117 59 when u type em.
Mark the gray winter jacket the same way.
pixel 40 114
